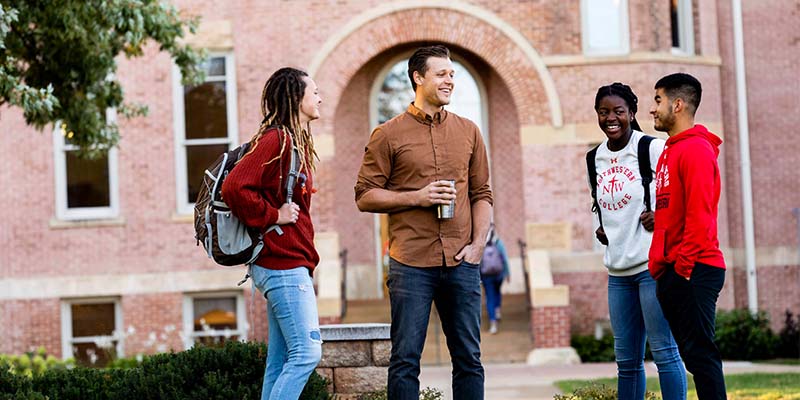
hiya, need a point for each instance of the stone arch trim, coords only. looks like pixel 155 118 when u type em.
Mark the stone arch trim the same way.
pixel 510 43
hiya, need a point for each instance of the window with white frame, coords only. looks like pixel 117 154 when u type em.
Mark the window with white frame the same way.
pixel 91 331
pixel 85 188
pixel 682 26
pixel 213 318
pixel 605 27
pixel 205 125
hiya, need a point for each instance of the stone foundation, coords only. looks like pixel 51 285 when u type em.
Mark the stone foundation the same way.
pixel 355 358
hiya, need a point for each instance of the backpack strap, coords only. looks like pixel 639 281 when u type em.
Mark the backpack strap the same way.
pixel 644 168
pixel 294 171
pixel 591 168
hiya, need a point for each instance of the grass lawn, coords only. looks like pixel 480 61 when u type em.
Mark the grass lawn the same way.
pixel 783 386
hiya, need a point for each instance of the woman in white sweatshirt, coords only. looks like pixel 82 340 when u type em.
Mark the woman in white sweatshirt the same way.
pixel 626 230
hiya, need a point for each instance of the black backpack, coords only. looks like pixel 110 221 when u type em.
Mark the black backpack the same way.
pixel 643 154
pixel 227 240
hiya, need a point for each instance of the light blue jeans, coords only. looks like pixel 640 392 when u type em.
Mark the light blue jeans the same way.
pixel 635 316
pixel 295 345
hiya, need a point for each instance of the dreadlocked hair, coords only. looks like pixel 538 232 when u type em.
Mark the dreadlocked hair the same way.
pixel 280 107
pixel 625 93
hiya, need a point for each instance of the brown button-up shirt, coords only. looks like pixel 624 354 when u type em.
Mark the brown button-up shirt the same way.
pixel 407 153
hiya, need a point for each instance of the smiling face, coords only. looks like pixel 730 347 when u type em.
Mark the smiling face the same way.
pixel 436 86
pixel 309 106
pixel 662 112
pixel 614 118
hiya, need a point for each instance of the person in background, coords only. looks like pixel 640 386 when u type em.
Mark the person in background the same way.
pixel 494 271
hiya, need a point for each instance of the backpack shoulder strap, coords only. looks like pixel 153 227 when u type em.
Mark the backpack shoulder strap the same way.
pixel 644 168
pixel 294 167
pixel 591 169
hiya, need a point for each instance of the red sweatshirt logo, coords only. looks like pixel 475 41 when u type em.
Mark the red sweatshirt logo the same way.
pixel 612 184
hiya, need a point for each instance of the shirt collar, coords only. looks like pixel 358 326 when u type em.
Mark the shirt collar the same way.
pixel 423 117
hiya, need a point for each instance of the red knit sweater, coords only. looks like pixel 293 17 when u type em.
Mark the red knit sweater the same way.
pixel 255 190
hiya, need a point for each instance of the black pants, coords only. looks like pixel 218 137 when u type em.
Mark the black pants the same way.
pixel 690 307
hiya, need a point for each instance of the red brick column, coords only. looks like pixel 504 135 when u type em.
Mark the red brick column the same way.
pixel 550 326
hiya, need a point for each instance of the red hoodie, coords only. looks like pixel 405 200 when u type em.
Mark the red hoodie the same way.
pixel 254 191
pixel 687 200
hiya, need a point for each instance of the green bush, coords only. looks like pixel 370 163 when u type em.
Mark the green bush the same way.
pixel 34 362
pixel 234 371
pixel 594 350
pixel 424 394
pixel 789 346
pixel 743 336
pixel 597 391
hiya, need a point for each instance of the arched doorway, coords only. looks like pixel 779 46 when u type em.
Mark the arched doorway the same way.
pixel 391 94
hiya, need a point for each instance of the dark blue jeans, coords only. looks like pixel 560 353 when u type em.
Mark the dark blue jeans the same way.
pixel 456 292
pixel 690 308
pixel 494 299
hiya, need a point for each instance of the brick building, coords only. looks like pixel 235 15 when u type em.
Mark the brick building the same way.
pixel 103 251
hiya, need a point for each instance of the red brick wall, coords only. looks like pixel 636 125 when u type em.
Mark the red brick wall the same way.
pixel 29 324
pixel 588 298
pixel 550 326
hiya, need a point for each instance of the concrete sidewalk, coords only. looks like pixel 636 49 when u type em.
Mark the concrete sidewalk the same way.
pixel 521 381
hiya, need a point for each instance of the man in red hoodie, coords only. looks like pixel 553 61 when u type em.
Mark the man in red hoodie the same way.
pixel 685 258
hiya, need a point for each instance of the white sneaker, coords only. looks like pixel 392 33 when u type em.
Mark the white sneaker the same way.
pixel 493 327
pixel 497 313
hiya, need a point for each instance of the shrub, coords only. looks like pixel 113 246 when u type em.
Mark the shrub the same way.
pixel 34 362
pixel 597 391
pixel 234 371
pixel 593 350
pixel 789 337
pixel 424 394
pixel 743 336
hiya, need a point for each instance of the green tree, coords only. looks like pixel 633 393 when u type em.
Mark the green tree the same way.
pixel 58 58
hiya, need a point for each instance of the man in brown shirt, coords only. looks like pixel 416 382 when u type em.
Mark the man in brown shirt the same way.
pixel 404 173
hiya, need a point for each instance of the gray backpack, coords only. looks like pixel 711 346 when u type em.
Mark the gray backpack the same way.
pixel 227 240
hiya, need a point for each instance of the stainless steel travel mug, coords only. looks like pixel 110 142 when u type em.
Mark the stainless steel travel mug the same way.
pixel 446 211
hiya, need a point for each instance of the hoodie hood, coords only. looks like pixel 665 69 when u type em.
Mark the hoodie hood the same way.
pixel 698 131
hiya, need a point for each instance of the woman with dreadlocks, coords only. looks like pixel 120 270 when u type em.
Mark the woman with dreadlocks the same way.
pixel 626 225
pixel 256 191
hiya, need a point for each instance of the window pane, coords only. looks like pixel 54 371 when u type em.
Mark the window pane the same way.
pixel 92 319
pixel 90 355
pixel 215 66
pixel 216 314
pixel 673 18
pixel 396 93
pixel 198 158
pixel 87 181
pixel 604 20
pixel 205 111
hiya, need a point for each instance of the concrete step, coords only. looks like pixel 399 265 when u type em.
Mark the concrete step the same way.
pixel 511 344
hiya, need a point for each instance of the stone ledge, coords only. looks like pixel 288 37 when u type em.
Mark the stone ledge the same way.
pixel 345 354
pixel 351 332
pixel 554 356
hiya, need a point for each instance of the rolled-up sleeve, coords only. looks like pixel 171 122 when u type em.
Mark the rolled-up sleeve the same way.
pixel 376 165
pixel 479 188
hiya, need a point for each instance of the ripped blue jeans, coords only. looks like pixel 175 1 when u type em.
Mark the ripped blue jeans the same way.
pixel 295 345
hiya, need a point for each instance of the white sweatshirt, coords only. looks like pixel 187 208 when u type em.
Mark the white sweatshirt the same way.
pixel 620 196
